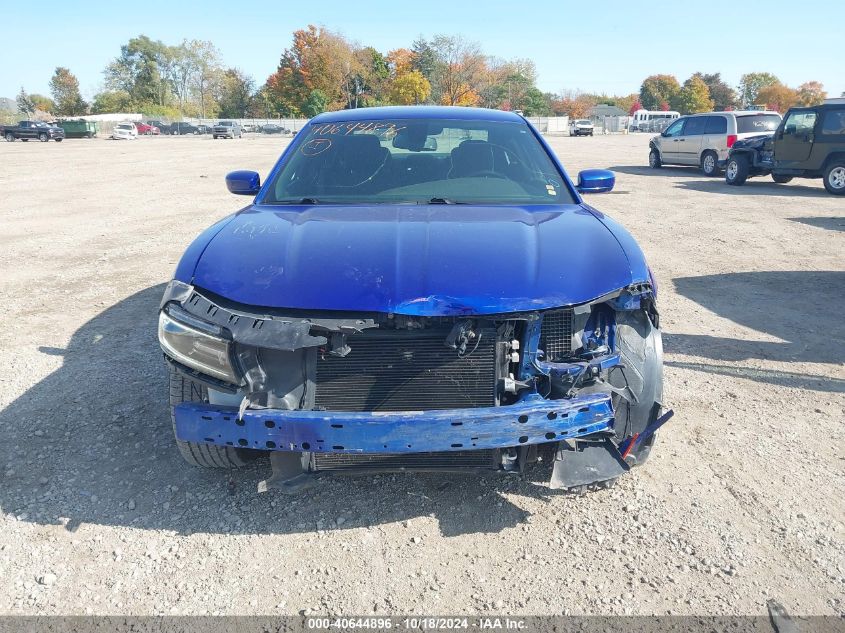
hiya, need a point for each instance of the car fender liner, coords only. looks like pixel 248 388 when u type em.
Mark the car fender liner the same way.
pixel 533 420
pixel 286 333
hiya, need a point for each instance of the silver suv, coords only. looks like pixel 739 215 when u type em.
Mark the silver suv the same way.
pixel 227 129
pixel 705 139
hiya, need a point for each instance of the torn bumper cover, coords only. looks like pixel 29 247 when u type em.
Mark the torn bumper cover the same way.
pixel 531 421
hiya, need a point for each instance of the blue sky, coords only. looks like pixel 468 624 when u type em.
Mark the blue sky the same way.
pixel 592 46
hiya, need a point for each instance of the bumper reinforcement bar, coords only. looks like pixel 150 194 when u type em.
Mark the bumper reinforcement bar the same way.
pixel 532 421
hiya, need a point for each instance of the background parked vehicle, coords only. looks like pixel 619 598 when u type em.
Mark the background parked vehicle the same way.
pixel 706 139
pixel 202 128
pixel 79 128
pixel 227 129
pixel 146 129
pixel 272 128
pixel 249 127
pixel 652 120
pixel 124 132
pixel 180 128
pixel 163 127
pixel 581 127
pixel 809 143
pixel 26 130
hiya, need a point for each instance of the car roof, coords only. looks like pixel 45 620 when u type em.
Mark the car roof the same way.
pixel 734 112
pixel 417 112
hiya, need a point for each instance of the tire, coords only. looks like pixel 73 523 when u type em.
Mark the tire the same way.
pixel 88 135
pixel 43 137
pixel 182 390
pixel 10 138
pixel 736 172
pixel 834 178
pixel 654 159
pixel 215 137
pixel 709 166
pixel 640 346
pixel 781 180
pixel 59 140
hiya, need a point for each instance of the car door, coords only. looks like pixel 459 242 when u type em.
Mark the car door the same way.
pixel 27 129
pixel 670 140
pixel 794 139
pixel 689 143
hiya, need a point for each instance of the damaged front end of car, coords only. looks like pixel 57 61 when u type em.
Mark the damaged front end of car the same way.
pixel 327 391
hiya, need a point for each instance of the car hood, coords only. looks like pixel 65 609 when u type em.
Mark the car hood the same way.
pixel 415 260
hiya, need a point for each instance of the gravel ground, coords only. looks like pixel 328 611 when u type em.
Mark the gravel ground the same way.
pixel 741 501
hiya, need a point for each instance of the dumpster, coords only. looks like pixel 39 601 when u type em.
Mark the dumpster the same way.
pixel 79 128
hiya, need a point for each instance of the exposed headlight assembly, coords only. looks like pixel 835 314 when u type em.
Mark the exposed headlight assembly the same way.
pixel 196 344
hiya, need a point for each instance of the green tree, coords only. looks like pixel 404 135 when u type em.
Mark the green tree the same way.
pixel 64 86
pixel 236 88
pixel 724 97
pixel 535 103
pixel 424 58
pixel 316 103
pixel 112 101
pixel 750 85
pixel 142 71
pixel 25 103
pixel 693 97
pixel 658 89
pixel 42 103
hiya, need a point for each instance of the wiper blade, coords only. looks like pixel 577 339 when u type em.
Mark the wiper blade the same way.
pixel 438 200
pixel 298 201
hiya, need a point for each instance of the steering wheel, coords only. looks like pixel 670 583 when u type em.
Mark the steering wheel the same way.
pixel 486 173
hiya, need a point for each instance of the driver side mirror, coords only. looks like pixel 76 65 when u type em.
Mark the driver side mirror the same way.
pixel 243 182
pixel 595 181
pixel 790 129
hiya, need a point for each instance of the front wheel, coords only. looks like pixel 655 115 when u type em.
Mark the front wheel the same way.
pixel 708 164
pixel 654 159
pixel 43 137
pixel 59 140
pixel 781 180
pixel 737 170
pixel 834 178
pixel 197 454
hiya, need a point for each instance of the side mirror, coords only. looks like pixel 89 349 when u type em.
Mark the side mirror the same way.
pixel 243 183
pixel 790 129
pixel 595 181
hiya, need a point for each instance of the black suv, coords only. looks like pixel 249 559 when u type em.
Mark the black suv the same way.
pixel 809 142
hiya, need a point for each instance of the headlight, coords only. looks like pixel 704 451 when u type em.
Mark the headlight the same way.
pixel 198 350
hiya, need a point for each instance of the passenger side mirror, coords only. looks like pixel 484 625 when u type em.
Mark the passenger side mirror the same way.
pixel 243 183
pixel 595 181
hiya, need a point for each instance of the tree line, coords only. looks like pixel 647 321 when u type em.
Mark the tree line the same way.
pixel 324 70
pixel 707 92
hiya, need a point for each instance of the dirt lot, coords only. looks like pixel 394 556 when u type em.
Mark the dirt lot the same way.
pixel 742 499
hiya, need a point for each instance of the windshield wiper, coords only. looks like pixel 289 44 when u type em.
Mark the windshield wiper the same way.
pixel 298 201
pixel 439 200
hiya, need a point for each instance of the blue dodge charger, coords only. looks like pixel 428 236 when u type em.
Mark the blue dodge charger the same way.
pixel 415 288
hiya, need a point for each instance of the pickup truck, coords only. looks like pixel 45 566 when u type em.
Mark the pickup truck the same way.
pixel 26 130
pixel 809 143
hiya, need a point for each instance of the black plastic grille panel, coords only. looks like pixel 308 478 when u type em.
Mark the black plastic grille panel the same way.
pixel 410 461
pixel 402 370
pixel 556 334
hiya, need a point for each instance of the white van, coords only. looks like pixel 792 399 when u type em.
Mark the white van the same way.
pixel 651 120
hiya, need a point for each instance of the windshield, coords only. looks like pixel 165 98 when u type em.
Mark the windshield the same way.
pixel 759 123
pixel 124 126
pixel 582 122
pixel 406 161
pixel 225 123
